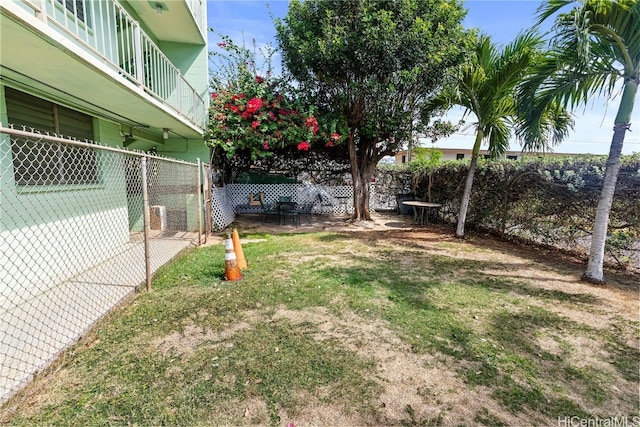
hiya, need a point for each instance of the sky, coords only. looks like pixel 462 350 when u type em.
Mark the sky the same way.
pixel 249 20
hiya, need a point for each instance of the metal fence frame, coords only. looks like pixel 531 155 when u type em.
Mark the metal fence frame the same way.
pixel 55 282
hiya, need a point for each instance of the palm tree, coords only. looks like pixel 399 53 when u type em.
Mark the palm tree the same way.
pixel 485 86
pixel 595 46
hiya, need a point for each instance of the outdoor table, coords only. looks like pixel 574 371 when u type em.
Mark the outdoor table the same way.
pixel 421 210
pixel 287 209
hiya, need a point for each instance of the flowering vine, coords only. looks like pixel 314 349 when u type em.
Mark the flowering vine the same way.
pixel 254 115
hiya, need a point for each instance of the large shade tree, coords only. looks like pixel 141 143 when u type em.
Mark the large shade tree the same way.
pixel 594 49
pixel 485 86
pixel 373 63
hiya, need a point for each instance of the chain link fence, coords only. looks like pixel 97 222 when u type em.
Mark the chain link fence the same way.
pixel 82 227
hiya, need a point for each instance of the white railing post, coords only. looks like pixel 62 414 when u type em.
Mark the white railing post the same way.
pixel 42 13
pixel 137 46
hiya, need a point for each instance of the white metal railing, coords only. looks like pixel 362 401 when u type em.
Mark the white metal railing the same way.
pixel 109 31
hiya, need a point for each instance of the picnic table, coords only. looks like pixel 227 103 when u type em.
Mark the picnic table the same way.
pixel 421 210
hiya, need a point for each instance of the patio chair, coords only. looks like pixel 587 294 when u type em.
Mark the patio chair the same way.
pixel 306 209
pixel 267 210
pixel 288 210
pixel 325 202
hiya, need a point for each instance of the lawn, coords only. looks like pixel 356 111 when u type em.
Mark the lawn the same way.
pixel 377 327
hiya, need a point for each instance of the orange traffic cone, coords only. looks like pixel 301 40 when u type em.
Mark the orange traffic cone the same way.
pixel 231 270
pixel 237 247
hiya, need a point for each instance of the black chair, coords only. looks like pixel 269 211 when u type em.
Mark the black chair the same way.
pixel 267 210
pixel 288 210
pixel 325 202
pixel 306 209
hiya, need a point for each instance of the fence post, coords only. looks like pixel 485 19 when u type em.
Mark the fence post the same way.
pixel 147 221
pixel 199 203
pixel 207 190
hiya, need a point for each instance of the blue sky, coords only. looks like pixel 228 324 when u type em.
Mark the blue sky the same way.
pixel 248 20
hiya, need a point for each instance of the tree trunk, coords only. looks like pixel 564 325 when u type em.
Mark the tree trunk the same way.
pixel 362 170
pixel 594 273
pixel 466 196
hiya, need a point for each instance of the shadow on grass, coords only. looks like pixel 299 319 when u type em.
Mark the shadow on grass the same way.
pixel 427 313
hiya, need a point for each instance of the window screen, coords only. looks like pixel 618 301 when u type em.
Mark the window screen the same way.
pixel 39 162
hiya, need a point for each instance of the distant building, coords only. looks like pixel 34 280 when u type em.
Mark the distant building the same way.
pixel 402 157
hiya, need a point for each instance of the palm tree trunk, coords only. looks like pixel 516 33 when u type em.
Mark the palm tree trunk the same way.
pixel 594 272
pixel 466 195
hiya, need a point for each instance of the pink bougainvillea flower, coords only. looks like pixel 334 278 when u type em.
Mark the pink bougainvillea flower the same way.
pixel 254 105
pixel 265 146
pixel 272 115
pixel 335 136
pixel 214 95
pixel 329 144
pixel 312 123
pixel 246 114
pixel 233 108
pixel 303 146
pixel 259 79
pixel 222 44
pixel 255 124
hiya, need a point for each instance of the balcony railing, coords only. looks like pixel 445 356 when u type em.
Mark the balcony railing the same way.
pixel 109 31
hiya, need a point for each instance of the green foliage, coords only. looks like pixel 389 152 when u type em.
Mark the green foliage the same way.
pixel 550 200
pixel 372 61
pixel 424 159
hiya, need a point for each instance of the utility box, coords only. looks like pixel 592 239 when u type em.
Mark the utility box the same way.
pixel 158 217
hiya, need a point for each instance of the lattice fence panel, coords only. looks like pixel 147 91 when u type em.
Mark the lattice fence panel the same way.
pixel 333 200
pixel 221 209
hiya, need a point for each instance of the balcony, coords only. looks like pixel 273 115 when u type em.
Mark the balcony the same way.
pixel 104 46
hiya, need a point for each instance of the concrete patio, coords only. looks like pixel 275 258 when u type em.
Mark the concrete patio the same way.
pixel 36 330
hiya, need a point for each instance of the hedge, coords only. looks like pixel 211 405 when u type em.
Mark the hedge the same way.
pixel 547 200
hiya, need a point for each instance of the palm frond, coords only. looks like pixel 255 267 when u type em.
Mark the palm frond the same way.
pixel 497 136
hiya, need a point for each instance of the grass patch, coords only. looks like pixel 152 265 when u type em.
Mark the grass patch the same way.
pixel 201 351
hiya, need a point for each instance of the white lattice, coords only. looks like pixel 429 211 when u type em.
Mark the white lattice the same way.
pixel 335 200
pixel 221 209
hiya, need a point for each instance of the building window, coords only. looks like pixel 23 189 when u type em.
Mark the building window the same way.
pixel 459 156
pixel 40 162
pixel 76 7
pixel 512 157
pixel 404 159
